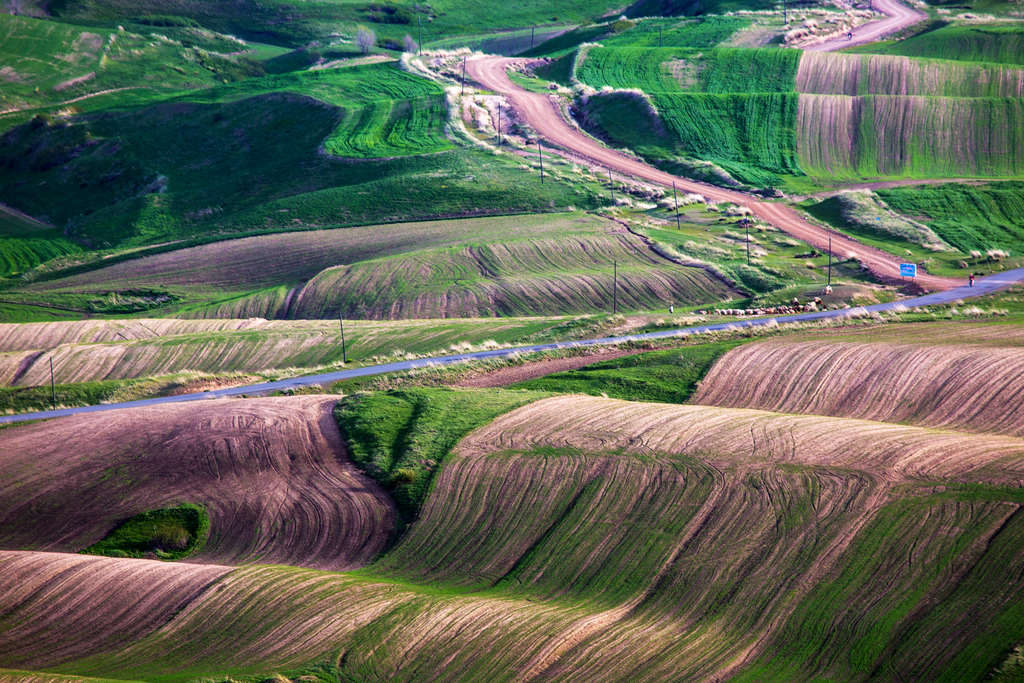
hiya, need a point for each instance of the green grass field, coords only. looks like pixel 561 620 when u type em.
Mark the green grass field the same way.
pixel 402 438
pixel 721 70
pixel 293 23
pixel 997 43
pixel 166 534
pixel 669 376
pixel 47 64
pixel 969 217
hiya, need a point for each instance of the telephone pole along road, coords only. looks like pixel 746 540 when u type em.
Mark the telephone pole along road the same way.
pixel 543 113
pixel 986 285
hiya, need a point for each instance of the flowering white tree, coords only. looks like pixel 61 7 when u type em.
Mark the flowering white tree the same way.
pixel 365 39
pixel 409 44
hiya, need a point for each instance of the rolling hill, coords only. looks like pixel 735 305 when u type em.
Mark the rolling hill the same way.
pixel 562 536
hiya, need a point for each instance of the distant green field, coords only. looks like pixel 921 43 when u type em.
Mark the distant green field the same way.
pixel 733 107
pixel 720 70
pixel 189 169
pixel 970 217
pixel 387 112
pixel 290 22
pixel 48 63
pixel 650 8
pixel 999 43
pixel 703 32
pixel 750 136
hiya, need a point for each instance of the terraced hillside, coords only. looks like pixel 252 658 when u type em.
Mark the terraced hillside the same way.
pixel 584 537
pixel 855 116
pixel 523 265
pixel 270 473
pixel 981 42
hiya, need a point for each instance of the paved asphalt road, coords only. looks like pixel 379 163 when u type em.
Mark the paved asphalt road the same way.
pixel 982 286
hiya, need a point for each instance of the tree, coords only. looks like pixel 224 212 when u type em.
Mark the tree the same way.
pixel 365 39
pixel 409 44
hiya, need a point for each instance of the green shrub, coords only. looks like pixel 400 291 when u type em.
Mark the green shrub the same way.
pixel 167 534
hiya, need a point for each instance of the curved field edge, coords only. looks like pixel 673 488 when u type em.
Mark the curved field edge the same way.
pixel 552 545
pixel 950 386
pixel 272 474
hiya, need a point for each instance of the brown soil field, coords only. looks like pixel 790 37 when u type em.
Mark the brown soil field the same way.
pixel 243 264
pixel 271 472
pixel 34 336
pixel 888 135
pixel 123 349
pixel 726 436
pixel 42 591
pixel 520 373
pixel 642 541
pixel 963 387
pixel 570 274
pixel 839 74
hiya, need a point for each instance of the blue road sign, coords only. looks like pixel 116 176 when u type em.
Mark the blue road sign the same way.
pixel 908 270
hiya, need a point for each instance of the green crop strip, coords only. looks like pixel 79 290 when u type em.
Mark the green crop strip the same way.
pixel 401 438
pixel 995 43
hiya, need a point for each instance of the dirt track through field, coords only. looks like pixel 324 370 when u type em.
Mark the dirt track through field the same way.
pixel 898 17
pixel 544 115
pixel 271 472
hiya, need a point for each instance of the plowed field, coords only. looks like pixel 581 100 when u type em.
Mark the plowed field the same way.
pixel 272 474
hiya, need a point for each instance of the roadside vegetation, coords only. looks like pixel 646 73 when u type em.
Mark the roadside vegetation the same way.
pixel 670 376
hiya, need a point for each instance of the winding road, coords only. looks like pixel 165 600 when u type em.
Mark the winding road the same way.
pixel 897 17
pixel 986 285
pixel 543 113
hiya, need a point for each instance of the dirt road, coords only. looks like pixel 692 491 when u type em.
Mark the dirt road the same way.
pixel 543 114
pixel 898 17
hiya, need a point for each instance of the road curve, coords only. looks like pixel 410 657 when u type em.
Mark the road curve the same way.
pixel 897 17
pixel 543 114
pixel 982 286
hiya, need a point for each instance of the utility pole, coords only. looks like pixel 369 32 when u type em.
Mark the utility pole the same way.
pixel 53 389
pixel 463 75
pixel 614 287
pixel 533 30
pixel 785 13
pixel 499 124
pixel 746 225
pixel 660 41
pixel 611 184
pixel 829 283
pixel 344 351
pixel 675 198
pixel 419 24
pixel 540 155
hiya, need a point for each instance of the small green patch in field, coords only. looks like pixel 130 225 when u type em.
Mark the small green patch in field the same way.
pixel 666 376
pixel 167 534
